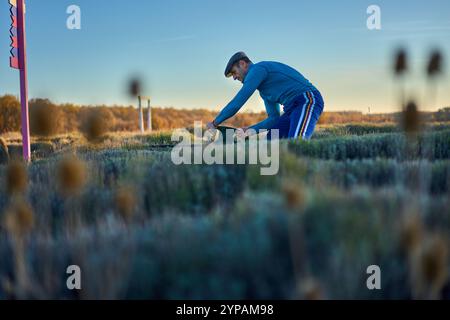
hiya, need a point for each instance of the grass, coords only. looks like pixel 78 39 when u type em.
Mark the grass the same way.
pixel 431 145
pixel 337 206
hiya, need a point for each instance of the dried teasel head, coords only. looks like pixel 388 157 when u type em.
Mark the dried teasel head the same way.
pixel 16 177
pixel 400 62
pixel 411 121
pixel 134 87
pixel 94 126
pixel 19 219
pixel 430 268
pixel 71 175
pixel 43 120
pixel 310 289
pixel 411 233
pixel 294 194
pixel 125 201
pixel 434 66
pixel 434 259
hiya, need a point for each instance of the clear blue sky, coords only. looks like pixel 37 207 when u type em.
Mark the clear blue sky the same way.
pixel 180 48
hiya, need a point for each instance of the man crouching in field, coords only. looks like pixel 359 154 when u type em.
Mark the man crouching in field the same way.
pixel 277 84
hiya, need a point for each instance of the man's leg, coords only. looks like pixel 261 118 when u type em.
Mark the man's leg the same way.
pixel 283 125
pixel 315 115
pixel 304 118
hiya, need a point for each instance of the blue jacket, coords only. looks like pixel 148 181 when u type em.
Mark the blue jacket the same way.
pixel 277 83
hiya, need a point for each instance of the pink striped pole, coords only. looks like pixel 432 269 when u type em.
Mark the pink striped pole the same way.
pixel 23 79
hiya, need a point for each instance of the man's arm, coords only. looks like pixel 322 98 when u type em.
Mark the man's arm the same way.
pixel 273 111
pixel 251 83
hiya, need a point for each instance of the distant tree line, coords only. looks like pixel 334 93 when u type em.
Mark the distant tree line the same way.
pixel 64 118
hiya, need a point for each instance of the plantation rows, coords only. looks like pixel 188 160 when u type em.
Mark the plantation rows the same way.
pixel 431 146
pixel 337 205
pixel 159 185
pixel 243 254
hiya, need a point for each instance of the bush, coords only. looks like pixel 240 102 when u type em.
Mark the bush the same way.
pixel 431 146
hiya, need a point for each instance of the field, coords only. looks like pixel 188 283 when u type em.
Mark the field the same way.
pixel 140 227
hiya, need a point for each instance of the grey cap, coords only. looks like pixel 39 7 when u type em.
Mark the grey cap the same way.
pixel 235 58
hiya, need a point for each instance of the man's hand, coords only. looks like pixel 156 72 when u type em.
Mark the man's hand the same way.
pixel 211 128
pixel 242 133
pixel 211 125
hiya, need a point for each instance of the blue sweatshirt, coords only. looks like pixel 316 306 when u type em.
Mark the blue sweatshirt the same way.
pixel 277 84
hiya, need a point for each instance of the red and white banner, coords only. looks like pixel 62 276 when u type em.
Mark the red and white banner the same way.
pixel 18 60
pixel 14 58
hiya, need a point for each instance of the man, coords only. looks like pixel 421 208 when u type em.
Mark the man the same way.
pixel 278 84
